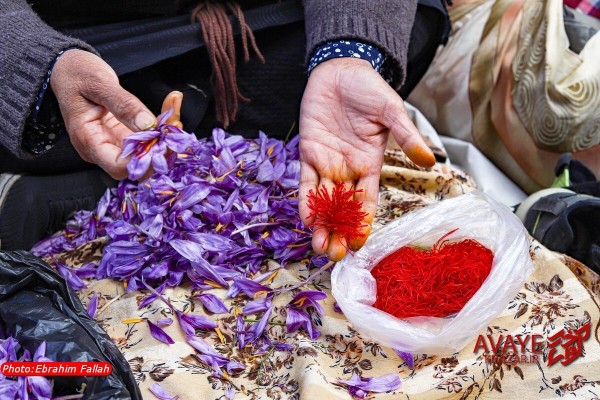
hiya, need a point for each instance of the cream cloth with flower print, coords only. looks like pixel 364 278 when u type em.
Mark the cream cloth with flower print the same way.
pixel 560 292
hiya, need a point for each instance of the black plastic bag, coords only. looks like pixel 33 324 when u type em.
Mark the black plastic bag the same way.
pixel 37 305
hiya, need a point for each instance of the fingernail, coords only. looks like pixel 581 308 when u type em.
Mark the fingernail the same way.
pixel 144 120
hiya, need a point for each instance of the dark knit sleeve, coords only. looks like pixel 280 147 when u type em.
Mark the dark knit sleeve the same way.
pixel 385 23
pixel 27 48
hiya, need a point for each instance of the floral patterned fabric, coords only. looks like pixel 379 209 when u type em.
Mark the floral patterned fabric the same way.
pixel 561 292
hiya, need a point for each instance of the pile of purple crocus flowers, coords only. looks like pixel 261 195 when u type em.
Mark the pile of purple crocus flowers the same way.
pixel 211 213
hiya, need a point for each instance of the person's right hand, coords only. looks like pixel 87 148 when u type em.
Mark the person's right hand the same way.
pixel 97 111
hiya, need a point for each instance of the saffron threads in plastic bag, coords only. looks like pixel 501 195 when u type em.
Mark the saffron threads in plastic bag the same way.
pixel 337 212
pixel 434 282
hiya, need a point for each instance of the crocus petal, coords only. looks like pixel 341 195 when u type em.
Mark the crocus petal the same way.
pixel 189 323
pixel 358 385
pixel 336 308
pixel 249 287
pixel 40 387
pixel 164 322
pixel 137 167
pixel 257 306
pixel 92 307
pixel 159 334
pixel 229 392
pixel 407 357
pixel 8 389
pixel 258 328
pixel 152 296
pixel 73 280
pixel 284 347
pixel 235 367
pixel 212 303
pixel 297 319
pixel 161 393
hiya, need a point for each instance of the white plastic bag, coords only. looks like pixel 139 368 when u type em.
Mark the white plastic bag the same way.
pixel 478 217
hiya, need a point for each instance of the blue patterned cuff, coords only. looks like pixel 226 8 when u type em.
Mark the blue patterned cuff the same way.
pixel 40 97
pixel 347 48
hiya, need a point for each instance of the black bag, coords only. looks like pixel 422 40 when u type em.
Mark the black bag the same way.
pixel 37 305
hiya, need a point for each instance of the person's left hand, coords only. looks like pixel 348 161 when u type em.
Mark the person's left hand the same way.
pixel 346 114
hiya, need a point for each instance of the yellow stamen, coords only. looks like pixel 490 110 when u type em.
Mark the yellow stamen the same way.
pixel 265 235
pixel 124 207
pixel 305 261
pixel 186 311
pixel 219 227
pixel 125 284
pixel 220 178
pixel 182 155
pixel 147 147
pixel 300 302
pixel 240 173
pixel 272 276
pixel 259 293
pixel 270 150
pixel 236 311
pixel 300 231
pixel 132 320
pixel 166 192
pixel 226 375
pixel 213 284
pixel 220 335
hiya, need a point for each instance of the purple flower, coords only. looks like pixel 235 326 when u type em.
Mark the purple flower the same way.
pixel 359 386
pixel 92 307
pixel 161 393
pixel 408 358
pixel 158 334
pixel 309 298
pixel 189 323
pixel 149 147
pixel 297 319
pixel 249 287
pixel 212 303
pixel 70 276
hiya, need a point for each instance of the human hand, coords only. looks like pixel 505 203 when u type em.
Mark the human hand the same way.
pixel 97 111
pixel 346 114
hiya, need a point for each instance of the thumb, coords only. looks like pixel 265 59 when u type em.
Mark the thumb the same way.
pixel 396 119
pixel 124 106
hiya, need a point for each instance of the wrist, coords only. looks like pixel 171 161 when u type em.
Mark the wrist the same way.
pixel 347 49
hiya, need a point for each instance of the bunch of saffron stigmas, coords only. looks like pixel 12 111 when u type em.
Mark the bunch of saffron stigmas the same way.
pixel 211 214
pixel 435 282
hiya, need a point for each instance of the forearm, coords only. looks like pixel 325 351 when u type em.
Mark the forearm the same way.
pixel 386 24
pixel 28 48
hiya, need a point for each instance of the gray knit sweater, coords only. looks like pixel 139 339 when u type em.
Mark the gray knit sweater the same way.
pixel 28 46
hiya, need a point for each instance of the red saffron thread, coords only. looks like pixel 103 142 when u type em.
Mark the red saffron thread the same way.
pixel 337 212
pixel 434 282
